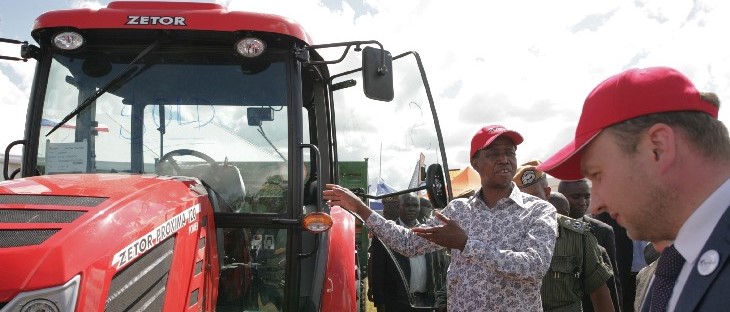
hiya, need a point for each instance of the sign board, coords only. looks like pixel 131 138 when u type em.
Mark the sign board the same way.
pixel 66 157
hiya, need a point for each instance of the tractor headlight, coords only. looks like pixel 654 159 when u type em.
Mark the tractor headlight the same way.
pixel 40 305
pixel 250 47
pixel 54 299
pixel 68 40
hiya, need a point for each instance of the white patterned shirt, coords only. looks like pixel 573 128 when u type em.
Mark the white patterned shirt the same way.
pixel 507 253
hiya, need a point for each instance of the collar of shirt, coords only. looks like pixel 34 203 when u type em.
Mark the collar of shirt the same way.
pixel 701 223
pixel 695 232
pixel 515 195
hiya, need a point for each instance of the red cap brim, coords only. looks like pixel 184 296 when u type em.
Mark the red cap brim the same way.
pixel 565 164
pixel 512 135
pixel 516 138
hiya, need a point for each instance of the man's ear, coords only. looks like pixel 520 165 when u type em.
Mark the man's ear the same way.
pixel 661 139
pixel 547 191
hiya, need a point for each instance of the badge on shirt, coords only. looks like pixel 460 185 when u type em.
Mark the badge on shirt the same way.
pixel 708 262
pixel 577 225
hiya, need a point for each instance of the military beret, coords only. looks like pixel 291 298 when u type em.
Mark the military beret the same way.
pixel 527 174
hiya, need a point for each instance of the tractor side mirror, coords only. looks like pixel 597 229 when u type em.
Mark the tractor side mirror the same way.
pixel 436 186
pixel 27 50
pixel 377 74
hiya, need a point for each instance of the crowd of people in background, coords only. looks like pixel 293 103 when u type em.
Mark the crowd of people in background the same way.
pixel 639 221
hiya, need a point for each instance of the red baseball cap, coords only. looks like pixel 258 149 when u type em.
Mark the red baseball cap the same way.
pixel 486 135
pixel 627 95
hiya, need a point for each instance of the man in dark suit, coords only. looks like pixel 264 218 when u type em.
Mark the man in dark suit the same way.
pixel 659 162
pixel 624 259
pixel 397 282
pixel 378 259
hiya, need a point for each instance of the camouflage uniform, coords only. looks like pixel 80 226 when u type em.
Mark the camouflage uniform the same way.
pixel 576 267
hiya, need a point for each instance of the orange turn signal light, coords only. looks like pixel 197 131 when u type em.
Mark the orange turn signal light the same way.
pixel 317 222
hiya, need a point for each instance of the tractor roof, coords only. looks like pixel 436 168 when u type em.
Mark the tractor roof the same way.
pixel 170 15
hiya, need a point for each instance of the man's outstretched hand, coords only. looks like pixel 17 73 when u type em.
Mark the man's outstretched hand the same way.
pixel 449 234
pixel 336 195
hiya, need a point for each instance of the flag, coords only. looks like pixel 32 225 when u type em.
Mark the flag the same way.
pixel 50 123
pixel 417 177
pixel 380 189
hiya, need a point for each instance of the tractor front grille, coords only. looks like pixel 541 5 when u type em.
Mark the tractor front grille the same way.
pixel 141 285
pixel 51 200
pixel 38 216
pixel 19 238
pixel 29 214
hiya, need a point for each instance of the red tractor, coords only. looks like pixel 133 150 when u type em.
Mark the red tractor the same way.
pixel 174 156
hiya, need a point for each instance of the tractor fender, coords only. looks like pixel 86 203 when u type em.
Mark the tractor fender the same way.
pixel 338 291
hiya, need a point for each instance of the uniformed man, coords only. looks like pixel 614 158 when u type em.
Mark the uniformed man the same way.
pixel 576 267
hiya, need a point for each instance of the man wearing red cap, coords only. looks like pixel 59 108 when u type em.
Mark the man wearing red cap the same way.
pixel 659 162
pixel 501 240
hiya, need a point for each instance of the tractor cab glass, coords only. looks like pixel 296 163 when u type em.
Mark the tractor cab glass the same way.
pixel 178 113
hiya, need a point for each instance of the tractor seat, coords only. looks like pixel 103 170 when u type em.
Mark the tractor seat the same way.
pixel 226 181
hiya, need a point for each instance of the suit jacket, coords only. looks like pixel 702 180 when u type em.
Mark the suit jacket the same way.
pixel 605 237
pixel 624 257
pixel 386 285
pixel 710 292
pixel 642 284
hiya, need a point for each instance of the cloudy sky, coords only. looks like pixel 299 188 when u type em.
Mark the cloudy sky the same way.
pixel 525 64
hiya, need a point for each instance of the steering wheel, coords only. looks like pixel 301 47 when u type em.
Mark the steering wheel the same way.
pixel 183 152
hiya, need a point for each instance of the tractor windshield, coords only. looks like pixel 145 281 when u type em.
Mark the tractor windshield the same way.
pixel 186 112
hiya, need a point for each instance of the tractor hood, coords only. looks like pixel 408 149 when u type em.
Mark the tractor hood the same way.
pixel 53 228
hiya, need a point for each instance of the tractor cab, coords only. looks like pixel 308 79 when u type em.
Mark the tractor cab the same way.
pixel 240 112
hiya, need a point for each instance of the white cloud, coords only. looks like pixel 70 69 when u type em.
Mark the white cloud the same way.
pixel 89 4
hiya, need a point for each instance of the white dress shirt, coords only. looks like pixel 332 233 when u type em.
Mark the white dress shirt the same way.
pixel 417 280
pixel 695 232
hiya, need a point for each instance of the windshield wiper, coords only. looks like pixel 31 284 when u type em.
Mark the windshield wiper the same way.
pixel 123 77
pixel 263 134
